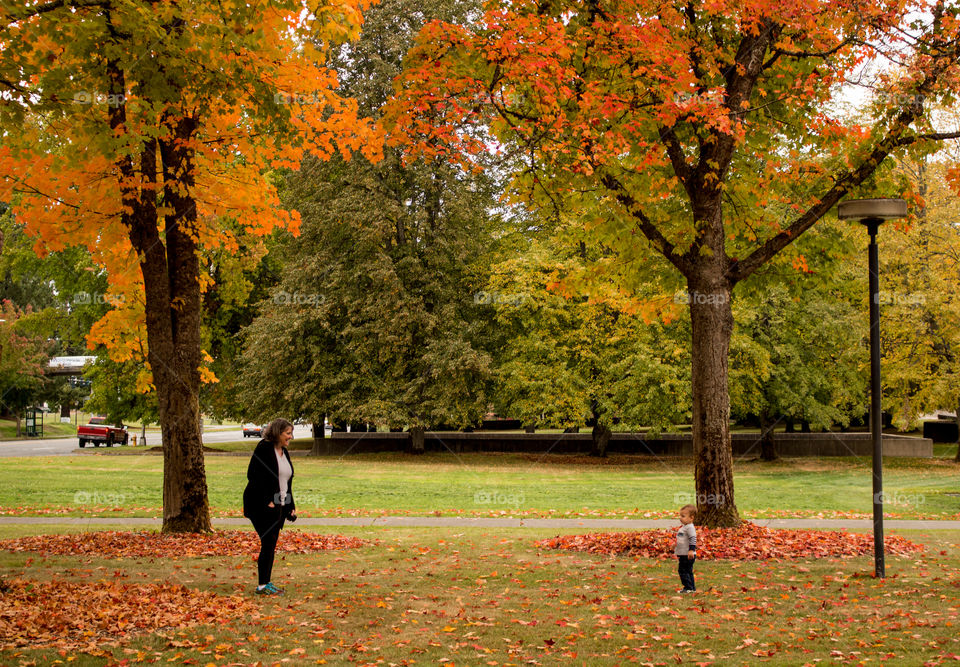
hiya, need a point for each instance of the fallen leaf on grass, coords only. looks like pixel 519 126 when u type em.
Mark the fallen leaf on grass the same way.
pixel 147 544
pixel 85 616
pixel 746 542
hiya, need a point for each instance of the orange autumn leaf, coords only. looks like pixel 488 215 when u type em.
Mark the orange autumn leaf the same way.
pixel 747 542
pixel 123 544
pixel 88 616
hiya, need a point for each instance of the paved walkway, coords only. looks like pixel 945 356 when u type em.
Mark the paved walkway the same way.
pixel 462 522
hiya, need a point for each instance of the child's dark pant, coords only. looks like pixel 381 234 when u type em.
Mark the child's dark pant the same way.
pixel 685 569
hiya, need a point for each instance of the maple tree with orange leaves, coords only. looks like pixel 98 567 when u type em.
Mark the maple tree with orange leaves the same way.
pixel 705 132
pixel 139 129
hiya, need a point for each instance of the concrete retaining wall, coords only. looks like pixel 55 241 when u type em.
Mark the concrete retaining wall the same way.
pixel 744 444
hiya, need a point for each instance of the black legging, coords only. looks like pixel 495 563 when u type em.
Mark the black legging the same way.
pixel 268 525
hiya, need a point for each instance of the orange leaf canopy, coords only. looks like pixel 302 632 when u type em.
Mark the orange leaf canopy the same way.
pixel 251 72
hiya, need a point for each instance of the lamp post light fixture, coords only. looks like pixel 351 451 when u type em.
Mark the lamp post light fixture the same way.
pixel 872 213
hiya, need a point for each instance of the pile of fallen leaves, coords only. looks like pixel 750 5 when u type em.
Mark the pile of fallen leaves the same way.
pixel 746 542
pixel 149 544
pixel 87 616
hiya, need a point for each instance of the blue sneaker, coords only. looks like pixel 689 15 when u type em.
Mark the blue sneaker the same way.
pixel 266 590
pixel 273 589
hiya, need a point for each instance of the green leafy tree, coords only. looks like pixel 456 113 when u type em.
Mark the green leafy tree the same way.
pixel 374 319
pixel 65 291
pixel 118 391
pixel 920 297
pixel 702 133
pixel 797 352
pixel 239 282
pixel 22 361
pixel 569 361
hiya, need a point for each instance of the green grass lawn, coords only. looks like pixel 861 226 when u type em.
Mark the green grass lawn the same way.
pixel 479 597
pixel 517 484
pixel 52 428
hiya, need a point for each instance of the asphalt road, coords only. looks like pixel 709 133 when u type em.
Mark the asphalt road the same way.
pixel 69 446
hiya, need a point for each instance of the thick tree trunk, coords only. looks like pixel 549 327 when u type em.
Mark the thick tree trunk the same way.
pixel 185 501
pixel 601 438
pixel 712 324
pixel 416 440
pixel 319 440
pixel 171 279
pixel 768 446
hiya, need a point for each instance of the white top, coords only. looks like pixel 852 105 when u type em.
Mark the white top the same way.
pixel 686 540
pixel 285 473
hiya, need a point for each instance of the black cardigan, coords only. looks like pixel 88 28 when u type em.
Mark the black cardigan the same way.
pixel 262 481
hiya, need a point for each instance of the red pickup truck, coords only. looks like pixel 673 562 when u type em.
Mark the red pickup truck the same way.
pixel 99 431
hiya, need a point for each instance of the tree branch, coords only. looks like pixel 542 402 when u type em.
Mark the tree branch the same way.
pixel 896 137
pixel 644 224
pixel 52 6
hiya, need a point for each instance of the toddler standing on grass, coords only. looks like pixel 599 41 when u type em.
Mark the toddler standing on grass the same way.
pixel 686 549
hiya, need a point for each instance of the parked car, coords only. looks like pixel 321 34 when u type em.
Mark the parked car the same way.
pixel 98 431
pixel 252 431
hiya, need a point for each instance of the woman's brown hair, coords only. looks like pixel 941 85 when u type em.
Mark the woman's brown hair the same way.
pixel 275 428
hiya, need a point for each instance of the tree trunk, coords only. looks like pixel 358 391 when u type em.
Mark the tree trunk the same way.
pixel 19 432
pixel 171 279
pixel 185 500
pixel 601 438
pixel 957 457
pixel 712 324
pixel 768 447
pixel 143 434
pixel 319 440
pixel 416 440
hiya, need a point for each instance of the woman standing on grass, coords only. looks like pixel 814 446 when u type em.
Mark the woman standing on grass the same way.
pixel 268 498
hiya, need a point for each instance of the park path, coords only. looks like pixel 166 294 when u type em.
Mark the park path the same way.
pixel 463 522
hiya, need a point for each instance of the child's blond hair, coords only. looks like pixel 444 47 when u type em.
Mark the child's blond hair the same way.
pixel 689 508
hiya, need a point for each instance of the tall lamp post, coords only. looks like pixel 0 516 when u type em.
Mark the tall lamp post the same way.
pixel 872 213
